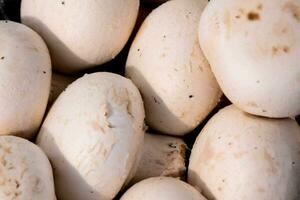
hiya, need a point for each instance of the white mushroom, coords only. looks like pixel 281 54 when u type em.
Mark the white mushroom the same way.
pixel 167 65
pixel 240 156
pixel 253 48
pixel 81 34
pixel 25 75
pixel 161 156
pixel 25 171
pixel 92 136
pixel 162 188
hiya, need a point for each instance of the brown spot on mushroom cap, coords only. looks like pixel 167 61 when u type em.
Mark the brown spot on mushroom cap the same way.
pixel 292 8
pixel 209 153
pixel 261 190
pixel 37 184
pixel 270 160
pixel 260 7
pixel 227 23
pixel 280 49
pixel 96 126
pixel 252 104
pixel 253 16
pixel 240 154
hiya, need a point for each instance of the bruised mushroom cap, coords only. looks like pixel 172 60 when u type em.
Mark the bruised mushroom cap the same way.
pixel 167 65
pixel 253 48
pixel 25 76
pixel 161 188
pixel 81 34
pixel 25 171
pixel 92 136
pixel 240 156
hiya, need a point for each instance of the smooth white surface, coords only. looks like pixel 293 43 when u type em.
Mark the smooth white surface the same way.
pixel 162 188
pixel 167 65
pixel 25 76
pixel 81 34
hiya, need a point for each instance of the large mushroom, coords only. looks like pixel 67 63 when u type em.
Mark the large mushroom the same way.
pixel 240 156
pixel 253 48
pixel 92 135
pixel 81 34
pixel 25 75
pixel 167 65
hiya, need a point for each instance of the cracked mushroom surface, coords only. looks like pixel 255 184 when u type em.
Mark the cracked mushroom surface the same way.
pixel 241 156
pixel 25 171
pixel 253 48
pixel 92 136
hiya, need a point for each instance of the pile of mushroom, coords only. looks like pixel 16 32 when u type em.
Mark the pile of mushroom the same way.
pixel 128 102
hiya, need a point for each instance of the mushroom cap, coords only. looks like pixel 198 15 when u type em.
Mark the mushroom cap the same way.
pixel 240 156
pixel 253 48
pixel 167 65
pixel 81 34
pixel 162 188
pixel 92 136
pixel 25 171
pixel 25 76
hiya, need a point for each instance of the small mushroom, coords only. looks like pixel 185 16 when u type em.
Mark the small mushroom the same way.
pixel 25 171
pixel 162 188
pixel 240 156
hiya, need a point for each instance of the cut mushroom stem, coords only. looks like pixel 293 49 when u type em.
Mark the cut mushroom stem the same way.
pixel 161 156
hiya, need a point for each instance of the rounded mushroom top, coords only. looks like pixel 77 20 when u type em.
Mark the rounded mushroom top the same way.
pixel 81 34
pixel 162 188
pixel 167 65
pixel 25 172
pixel 93 135
pixel 253 48
pixel 241 156
pixel 25 76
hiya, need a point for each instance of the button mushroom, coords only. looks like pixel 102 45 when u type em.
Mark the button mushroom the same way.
pixel 240 156
pixel 167 65
pixel 25 171
pixel 92 136
pixel 162 188
pixel 253 48
pixel 81 34
pixel 25 71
